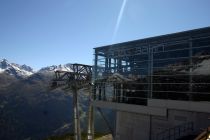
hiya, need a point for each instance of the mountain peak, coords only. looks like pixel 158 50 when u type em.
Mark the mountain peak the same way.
pixel 27 68
pixel 15 69
pixel 4 60
pixel 66 67
pixel 4 63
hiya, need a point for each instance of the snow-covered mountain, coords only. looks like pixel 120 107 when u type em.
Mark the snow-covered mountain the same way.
pixel 23 71
pixel 66 67
pixel 15 69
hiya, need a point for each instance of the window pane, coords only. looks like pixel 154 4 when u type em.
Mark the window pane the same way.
pixel 201 42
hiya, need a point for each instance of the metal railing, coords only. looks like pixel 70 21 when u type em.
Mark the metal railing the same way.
pixel 176 132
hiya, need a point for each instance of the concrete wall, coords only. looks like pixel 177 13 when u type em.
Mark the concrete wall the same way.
pixel 202 106
pixel 140 109
pixel 133 126
pixel 136 122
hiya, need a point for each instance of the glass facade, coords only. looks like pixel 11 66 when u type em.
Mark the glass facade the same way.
pixel 175 66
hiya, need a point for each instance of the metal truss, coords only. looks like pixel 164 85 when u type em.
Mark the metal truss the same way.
pixel 78 77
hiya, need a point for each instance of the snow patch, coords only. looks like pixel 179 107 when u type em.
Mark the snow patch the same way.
pixel 203 68
pixel 53 68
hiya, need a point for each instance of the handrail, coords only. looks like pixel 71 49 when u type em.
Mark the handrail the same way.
pixel 176 132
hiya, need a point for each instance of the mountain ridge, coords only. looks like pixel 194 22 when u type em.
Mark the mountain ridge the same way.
pixel 19 71
pixel 24 71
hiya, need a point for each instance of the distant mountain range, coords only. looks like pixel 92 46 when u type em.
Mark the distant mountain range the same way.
pixel 22 71
pixel 30 110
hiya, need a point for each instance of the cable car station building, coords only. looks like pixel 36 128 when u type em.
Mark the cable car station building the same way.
pixel 159 86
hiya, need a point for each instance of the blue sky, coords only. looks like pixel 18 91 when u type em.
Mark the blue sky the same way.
pixel 45 32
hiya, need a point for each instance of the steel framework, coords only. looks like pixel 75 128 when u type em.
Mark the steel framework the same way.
pixel 174 66
pixel 78 77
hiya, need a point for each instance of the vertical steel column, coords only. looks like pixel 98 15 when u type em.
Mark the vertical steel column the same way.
pixel 77 131
pixel 90 135
pixel 106 66
pixel 110 65
pixel 190 71
pixel 151 74
pixel 94 74
pixel 75 80
pixel 115 65
pixel 150 71
pixel 95 66
pixel 119 65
